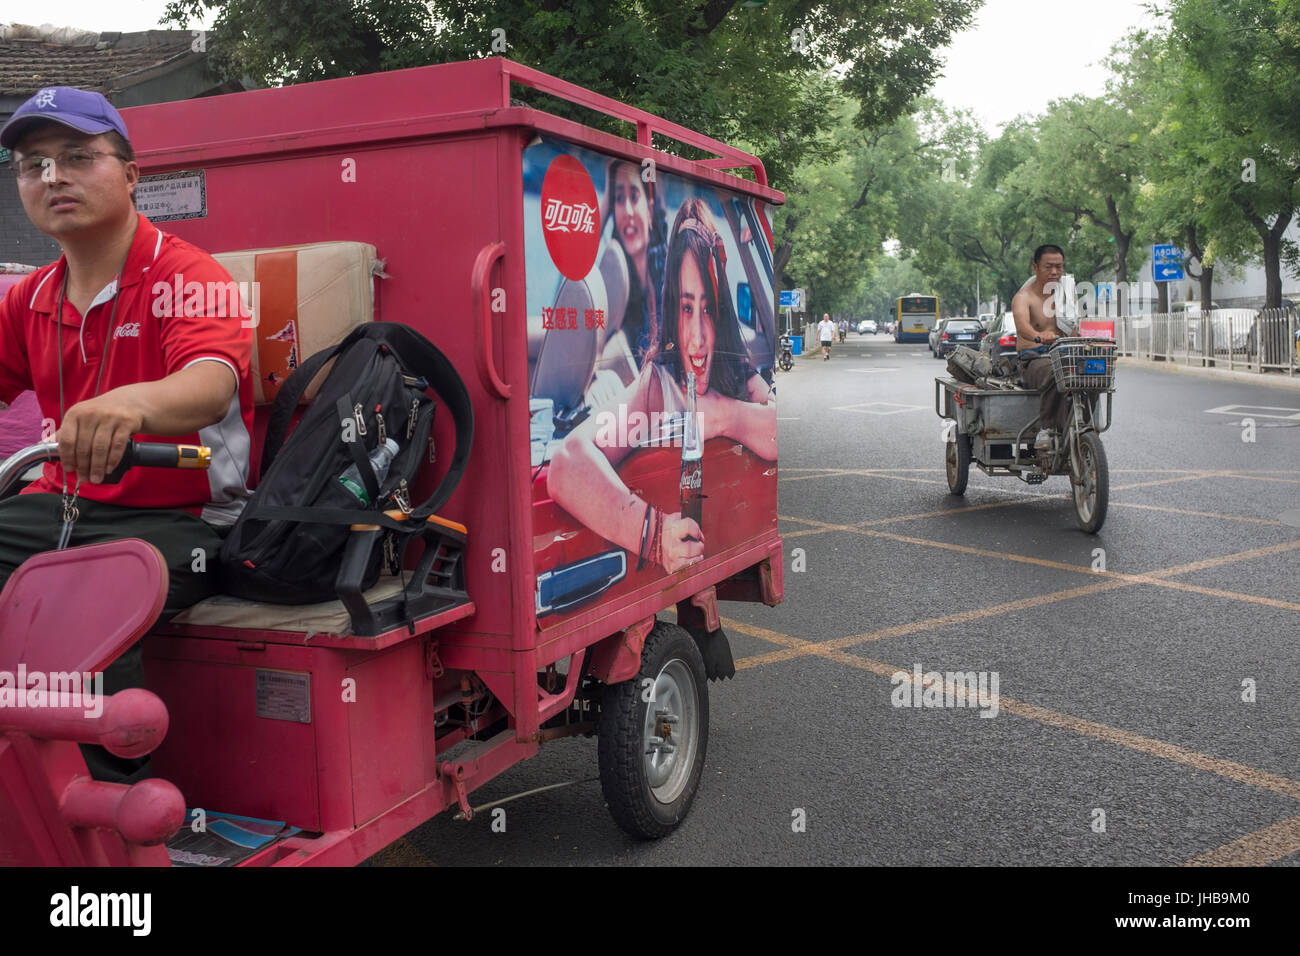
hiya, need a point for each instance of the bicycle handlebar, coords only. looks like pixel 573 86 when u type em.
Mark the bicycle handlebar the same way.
pixel 159 455
pixel 137 454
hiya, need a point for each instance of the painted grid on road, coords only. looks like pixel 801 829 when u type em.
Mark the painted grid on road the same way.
pixel 1253 849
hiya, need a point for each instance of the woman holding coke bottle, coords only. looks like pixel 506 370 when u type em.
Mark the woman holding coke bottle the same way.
pixel 698 343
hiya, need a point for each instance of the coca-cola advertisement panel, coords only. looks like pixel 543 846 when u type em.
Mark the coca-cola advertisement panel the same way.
pixel 651 346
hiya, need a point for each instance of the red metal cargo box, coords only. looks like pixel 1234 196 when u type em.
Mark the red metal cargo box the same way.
pixel 579 282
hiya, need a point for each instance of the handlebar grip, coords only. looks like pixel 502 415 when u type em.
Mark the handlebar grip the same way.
pixel 159 455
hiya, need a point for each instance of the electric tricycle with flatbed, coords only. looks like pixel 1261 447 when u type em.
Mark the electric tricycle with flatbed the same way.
pixel 996 427
pixel 431 197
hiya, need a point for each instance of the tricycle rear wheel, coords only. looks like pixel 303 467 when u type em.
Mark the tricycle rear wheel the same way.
pixel 653 733
pixel 957 460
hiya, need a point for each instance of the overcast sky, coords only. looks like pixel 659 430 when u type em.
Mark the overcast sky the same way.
pixel 1018 55
pixel 1022 53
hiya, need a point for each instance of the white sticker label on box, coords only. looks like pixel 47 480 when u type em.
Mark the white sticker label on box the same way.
pixel 284 695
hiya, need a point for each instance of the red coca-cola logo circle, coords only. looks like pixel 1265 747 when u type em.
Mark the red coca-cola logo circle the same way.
pixel 570 217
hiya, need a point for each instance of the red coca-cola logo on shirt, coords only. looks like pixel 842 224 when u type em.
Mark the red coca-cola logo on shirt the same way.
pixel 570 217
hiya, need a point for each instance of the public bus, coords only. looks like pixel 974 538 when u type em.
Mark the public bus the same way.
pixel 914 317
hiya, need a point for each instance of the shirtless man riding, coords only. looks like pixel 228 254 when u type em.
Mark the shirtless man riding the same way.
pixel 1036 329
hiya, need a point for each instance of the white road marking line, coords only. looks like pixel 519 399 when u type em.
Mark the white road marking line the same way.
pixel 864 408
pixel 1253 411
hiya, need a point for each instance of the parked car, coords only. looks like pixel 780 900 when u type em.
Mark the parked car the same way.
pixel 1221 327
pixel 866 327
pixel 1000 336
pixel 934 335
pixel 962 331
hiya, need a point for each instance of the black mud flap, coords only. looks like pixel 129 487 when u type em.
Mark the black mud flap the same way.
pixel 716 651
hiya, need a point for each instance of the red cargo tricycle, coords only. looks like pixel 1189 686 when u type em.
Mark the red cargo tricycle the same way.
pixel 610 309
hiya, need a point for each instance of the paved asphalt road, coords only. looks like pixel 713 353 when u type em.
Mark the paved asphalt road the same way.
pixel 1121 735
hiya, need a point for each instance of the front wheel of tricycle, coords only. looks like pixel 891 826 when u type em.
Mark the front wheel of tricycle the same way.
pixel 653 732
pixel 957 459
pixel 1092 484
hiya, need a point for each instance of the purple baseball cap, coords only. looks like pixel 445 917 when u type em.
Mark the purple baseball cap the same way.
pixel 83 110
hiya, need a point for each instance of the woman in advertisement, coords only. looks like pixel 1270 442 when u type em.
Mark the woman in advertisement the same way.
pixel 699 335
pixel 639 227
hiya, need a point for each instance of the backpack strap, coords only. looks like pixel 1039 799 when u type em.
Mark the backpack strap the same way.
pixel 291 393
pixel 418 353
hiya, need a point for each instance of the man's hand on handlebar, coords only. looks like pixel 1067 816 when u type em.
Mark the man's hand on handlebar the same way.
pixel 1046 338
pixel 95 434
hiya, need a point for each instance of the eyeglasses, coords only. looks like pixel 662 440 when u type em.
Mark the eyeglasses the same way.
pixel 73 160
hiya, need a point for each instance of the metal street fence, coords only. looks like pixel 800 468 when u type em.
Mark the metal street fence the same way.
pixel 1248 339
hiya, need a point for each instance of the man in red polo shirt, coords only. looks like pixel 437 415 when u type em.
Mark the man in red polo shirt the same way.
pixel 112 355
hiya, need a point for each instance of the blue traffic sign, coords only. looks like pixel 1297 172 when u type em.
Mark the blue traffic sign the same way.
pixel 1166 263
pixel 792 299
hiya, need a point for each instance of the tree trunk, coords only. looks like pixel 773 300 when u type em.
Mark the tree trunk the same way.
pixel 1206 278
pixel 1121 257
pixel 1273 268
pixel 1272 239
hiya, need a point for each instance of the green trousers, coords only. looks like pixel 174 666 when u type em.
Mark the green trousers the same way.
pixel 30 524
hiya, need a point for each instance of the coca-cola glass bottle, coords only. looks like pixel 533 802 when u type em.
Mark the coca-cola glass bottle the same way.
pixel 692 483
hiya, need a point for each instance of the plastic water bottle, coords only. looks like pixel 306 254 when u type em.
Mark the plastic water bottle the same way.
pixel 380 460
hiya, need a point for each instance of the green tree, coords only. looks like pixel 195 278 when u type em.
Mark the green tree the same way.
pixel 1242 69
pixel 1176 197
pixel 761 75
pixel 1087 165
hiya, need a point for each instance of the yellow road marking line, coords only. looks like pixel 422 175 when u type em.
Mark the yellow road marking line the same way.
pixel 1231 595
pixel 1207 563
pixel 1161 481
pixel 1148 745
pixel 1290 481
pixel 1255 849
pixel 797 647
pixel 1156 578
pixel 1116 580
pixel 1197 514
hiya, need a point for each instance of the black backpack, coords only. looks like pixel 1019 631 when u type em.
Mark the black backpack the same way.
pixel 288 545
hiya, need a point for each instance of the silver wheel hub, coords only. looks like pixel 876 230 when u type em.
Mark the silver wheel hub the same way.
pixel 671 732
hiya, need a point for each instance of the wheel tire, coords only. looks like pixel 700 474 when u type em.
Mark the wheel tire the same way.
pixel 1090 499
pixel 649 794
pixel 957 460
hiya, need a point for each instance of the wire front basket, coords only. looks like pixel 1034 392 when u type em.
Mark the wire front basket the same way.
pixel 1084 365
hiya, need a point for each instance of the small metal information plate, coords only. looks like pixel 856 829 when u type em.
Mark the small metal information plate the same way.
pixel 284 695
pixel 172 196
